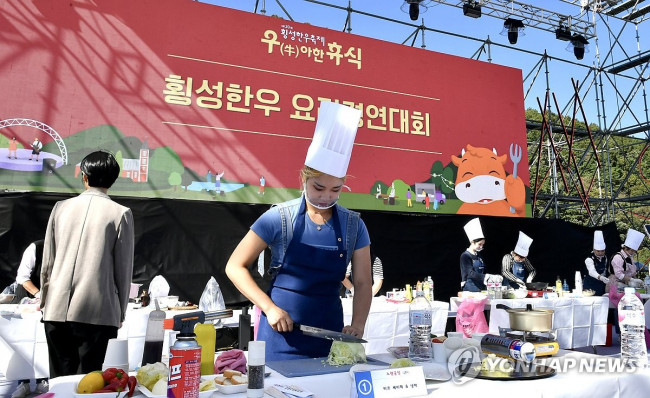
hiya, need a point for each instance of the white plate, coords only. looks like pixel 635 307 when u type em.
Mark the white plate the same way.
pixel 232 389
pixel 101 394
pixel 145 390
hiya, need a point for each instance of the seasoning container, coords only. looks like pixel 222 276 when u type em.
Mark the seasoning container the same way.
pixel 206 337
pixel 256 368
pixel 153 341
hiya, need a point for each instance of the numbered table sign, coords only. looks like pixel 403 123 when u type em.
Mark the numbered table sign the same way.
pixel 391 383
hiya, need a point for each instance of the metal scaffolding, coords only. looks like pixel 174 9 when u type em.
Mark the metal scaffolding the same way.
pixel 586 171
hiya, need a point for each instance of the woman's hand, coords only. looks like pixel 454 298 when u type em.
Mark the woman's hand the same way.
pixel 354 331
pixel 279 319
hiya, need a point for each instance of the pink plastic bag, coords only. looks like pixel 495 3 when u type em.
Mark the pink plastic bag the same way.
pixel 470 318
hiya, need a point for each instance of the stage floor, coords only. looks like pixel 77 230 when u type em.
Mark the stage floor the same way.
pixel 22 163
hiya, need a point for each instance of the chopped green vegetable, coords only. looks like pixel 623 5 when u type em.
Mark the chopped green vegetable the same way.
pixel 149 375
pixel 402 363
pixel 343 353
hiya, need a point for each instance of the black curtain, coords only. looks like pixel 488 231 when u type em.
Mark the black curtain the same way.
pixel 187 242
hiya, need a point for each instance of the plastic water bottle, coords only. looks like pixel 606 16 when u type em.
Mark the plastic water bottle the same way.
pixel 646 283
pixel 420 314
pixel 632 323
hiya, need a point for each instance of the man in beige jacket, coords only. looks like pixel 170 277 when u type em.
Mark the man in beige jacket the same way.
pixel 86 271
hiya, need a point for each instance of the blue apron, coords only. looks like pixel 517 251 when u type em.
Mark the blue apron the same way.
pixel 478 266
pixel 518 270
pixel 307 287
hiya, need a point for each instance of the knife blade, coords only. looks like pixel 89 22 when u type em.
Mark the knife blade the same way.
pixel 328 334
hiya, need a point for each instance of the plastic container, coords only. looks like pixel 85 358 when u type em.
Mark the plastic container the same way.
pixel 431 288
pixel 558 286
pixel 632 322
pixel 420 315
pixel 578 283
pixel 153 340
pixel 206 337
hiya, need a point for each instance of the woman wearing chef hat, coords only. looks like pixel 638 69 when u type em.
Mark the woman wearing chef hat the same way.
pixel 622 263
pixel 472 268
pixel 595 275
pixel 515 266
pixel 312 239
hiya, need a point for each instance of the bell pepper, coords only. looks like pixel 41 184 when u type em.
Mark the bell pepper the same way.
pixel 109 374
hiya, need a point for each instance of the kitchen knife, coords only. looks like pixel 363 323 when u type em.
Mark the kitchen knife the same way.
pixel 328 334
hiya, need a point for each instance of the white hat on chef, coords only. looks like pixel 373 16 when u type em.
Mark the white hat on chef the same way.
pixel 473 230
pixel 633 239
pixel 331 147
pixel 523 244
pixel 599 241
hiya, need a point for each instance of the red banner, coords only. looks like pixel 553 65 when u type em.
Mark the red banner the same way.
pixel 214 101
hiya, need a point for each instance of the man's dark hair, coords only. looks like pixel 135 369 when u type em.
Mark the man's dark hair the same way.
pixel 101 168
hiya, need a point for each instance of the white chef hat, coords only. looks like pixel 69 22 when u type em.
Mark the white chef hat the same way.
pixel 599 241
pixel 473 230
pixel 633 239
pixel 523 244
pixel 334 135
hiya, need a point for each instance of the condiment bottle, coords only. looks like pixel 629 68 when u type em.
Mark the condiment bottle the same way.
pixel 256 368
pixel 153 340
pixel 558 286
pixel 408 294
pixel 206 337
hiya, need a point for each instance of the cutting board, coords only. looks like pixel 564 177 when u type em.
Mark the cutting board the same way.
pixel 311 366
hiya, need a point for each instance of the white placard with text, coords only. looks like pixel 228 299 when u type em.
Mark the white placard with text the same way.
pixel 391 383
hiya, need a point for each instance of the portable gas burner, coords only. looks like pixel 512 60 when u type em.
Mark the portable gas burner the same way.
pixel 545 342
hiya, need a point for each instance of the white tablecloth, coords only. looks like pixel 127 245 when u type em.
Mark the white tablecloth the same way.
pixel 23 349
pixel 579 322
pixel 571 384
pixel 388 323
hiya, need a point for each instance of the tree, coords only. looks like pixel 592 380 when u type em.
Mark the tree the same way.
pixel 174 179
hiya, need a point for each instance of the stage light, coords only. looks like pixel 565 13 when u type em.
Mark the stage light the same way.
pixel 578 45
pixel 472 9
pixel 563 33
pixel 513 28
pixel 414 8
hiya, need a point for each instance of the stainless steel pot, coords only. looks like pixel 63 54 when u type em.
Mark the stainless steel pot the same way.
pixel 529 319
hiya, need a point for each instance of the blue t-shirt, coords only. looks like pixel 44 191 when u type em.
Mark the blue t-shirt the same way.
pixel 269 228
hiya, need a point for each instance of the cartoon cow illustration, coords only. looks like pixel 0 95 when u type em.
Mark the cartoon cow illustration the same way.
pixel 482 184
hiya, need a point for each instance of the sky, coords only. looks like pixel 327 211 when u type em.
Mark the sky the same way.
pixel 459 35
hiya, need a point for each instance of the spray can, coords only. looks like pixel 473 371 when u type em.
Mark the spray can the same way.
pixel 508 347
pixel 184 364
